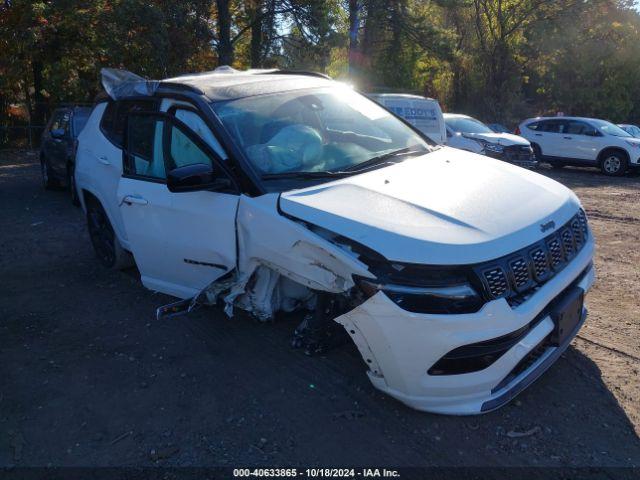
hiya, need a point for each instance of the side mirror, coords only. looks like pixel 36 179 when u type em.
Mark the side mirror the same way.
pixel 57 133
pixel 192 178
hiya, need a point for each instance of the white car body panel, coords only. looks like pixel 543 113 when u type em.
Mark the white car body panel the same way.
pixel 175 237
pixel 505 139
pixel 267 239
pixel 413 215
pixel 459 141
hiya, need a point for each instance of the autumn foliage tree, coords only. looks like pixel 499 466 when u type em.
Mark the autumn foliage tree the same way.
pixel 497 59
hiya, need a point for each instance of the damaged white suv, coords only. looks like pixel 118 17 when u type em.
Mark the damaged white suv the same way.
pixel 460 278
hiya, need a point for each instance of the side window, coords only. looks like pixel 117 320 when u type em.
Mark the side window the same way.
pixel 145 155
pixel 580 128
pixel 108 116
pixel 575 128
pixel 157 145
pixel 552 126
pixel 183 151
pixel 195 122
pixel 113 119
pixel 534 125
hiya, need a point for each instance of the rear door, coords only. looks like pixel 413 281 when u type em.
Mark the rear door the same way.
pixel 548 136
pixel 106 152
pixel 181 241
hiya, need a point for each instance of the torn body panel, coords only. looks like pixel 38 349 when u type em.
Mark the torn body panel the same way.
pixel 281 263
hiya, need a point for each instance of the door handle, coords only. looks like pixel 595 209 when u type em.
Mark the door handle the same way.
pixel 131 199
pixel 104 160
pixel 538 134
pixel 567 138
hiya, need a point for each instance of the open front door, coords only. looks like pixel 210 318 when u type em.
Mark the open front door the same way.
pixel 181 241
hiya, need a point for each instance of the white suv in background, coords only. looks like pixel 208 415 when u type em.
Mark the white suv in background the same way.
pixel 583 142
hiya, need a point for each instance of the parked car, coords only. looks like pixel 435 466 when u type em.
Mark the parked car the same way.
pixel 58 147
pixel 632 130
pixel 467 133
pixel 459 278
pixel 498 128
pixel 423 113
pixel 583 142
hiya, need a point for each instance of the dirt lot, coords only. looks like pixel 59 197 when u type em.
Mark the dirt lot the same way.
pixel 89 377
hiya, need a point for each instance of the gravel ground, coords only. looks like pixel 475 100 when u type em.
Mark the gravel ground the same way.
pixel 91 378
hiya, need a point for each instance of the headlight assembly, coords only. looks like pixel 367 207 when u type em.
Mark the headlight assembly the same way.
pixel 437 299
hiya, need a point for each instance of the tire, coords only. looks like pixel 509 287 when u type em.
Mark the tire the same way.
pixel 48 180
pixel 614 164
pixel 71 182
pixel 104 240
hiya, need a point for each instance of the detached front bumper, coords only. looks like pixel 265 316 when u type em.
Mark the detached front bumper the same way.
pixel 400 347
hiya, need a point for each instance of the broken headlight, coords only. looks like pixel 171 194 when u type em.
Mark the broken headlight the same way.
pixel 443 300
pixel 424 289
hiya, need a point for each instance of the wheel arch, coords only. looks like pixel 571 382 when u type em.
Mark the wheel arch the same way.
pixel 606 150
pixel 87 196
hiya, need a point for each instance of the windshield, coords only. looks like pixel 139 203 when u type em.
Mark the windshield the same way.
pixel 466 125
pixel 610 129
pixel 329 130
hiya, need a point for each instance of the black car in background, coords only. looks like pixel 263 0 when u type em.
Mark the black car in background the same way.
pixel 58 147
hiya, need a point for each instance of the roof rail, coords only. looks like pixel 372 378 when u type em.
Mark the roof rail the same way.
pixel 295 72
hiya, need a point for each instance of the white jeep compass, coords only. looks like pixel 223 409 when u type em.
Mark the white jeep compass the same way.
pixel 460 278
pixel 583 142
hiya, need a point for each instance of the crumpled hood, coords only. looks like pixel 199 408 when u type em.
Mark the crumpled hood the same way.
pixel 506 139
pixel 445 208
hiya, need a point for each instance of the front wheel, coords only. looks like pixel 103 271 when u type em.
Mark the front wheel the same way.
pixel 104 240
pixel 614 164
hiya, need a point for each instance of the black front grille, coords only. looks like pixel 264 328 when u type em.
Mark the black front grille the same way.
pixel 540 263
pixel 516 276
pixel 496 281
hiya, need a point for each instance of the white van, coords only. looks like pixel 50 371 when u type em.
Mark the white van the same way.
pixel 423 113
